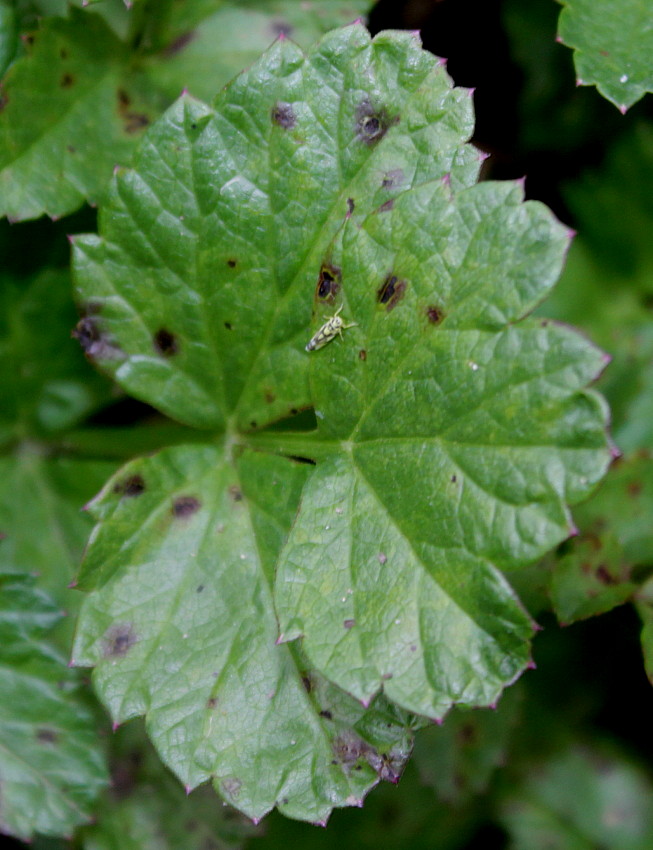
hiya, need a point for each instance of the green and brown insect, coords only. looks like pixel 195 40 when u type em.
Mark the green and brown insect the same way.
pixel 333 327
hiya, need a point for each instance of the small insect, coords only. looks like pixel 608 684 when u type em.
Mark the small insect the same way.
pixel 332 327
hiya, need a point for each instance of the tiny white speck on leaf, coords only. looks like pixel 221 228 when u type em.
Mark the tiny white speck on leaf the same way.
pixel 623 78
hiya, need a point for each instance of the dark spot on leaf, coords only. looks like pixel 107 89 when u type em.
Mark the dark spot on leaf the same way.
pixel 328 282
pixel 544 323
pixel 135 121
pixel 307 683
pixel 386 676
pixel 235 493
pixel 94 341
pixel 393 179
pixel 280 28
pixel 391 292
pixel 46 736
pixel 179 43
pixel 28 39
pixel 193 126
pixel 231 785
pixel 199 588
pixel 123 99
pixel 383 558
pixel 434 314
pixel 293 411
pixel 211 702
pixel 372 124
pixel 350 205
pixel 454 479
pixel 386 207
pixel 603 575
pixel 71 149
pixel 131 486
pixel 118 640
pixel 362 354
pixel 190 825
pixel 413 648
pixel 67 81
pixel 227 325
pixel 384 765
pixel 634 488
pixel 604 52
pixel 327 714
pixel 63 53
pixel 185 506
pixel 269 396
pixel 284 115
pixel 253 424
pixel 349 624
pixel 165 343
pixel 231 263
pixel 300 459
pixel 467 734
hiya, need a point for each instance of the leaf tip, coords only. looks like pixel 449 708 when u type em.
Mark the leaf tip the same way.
pixel 623 108
pixel 115 726
pixel 530 665
pixel 580 82
pixel 570 233
pixel 615 451
pixel 442 62
pixel 559 39
pixel 71 585
pixel 188 789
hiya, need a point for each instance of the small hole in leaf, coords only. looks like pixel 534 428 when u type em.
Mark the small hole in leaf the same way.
pixel 327 714
pixel 165 343
pixel 328 282
pixel 453 479
pixel 227 325
pixel 185 506
pixel 300 459
pixel 283 115
pixel 232 263
pixel 391 292
pixel 434 314
pixel 372 124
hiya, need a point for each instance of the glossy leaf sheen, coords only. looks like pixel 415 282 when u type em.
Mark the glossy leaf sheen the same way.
pixel 183 631
pixel 51 765
pixel 613 44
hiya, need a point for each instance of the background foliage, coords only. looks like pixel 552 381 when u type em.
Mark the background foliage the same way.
pixel 563 760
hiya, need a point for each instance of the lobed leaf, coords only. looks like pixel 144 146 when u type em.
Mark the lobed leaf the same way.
pixel 613 43
pixel 51 766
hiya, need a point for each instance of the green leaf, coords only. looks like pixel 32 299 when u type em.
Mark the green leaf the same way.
pixel 147 809
pixel 207 43
pixel 48 385
pixel 603 566
pixel 459 758
pixel 581 799
pixel 8 34
pixel 644 604
pixel 451 383
pixel 182 630
pixel 51 765
pixel 613 44
pixel 207 202
pixel 85 115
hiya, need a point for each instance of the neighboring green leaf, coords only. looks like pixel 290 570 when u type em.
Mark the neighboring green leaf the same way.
pixel 182 629
pixel 209 42
pixel 244 200
pixel 613 552
pixel 85 113
pixel 43 527
pixel 613 44
pixel 459 758
pixel 147 809
pixel 47 384
pixel 580 799
pixel 51 765
pixel 8 35
pixel 456 442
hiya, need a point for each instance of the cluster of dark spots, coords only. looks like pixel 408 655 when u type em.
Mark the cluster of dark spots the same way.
pixel 386 206
pixel 350 205
pixel 282 28
pixel 46 736
pixel 349 624
pixel 300 459
pixel 185 506
pixel 211 702
pixel 392 179
pixel 372 124
pixel 283 115
pixel 434 314
pixel 118 640
pixel 235 493
pixel 326 714
pixel 604 576
pixel 132 121
pixel 179 43
pixel 165 342
pixel 131 486
pixel 391 291
pixel 232 263
pixel 67 81
pixel 307 683
pixel 227 325
pixel 362 354
pixel 328 282
pixel 199 588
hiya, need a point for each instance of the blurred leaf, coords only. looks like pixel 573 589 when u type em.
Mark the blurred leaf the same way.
pixel 147 809
pixel 459 758
pixel 183 628
pixel 581 799
pixel 613 553
pixel 8 34
pixel 644 605
pixel 51 766
pixel 48 385
pixel 613 45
